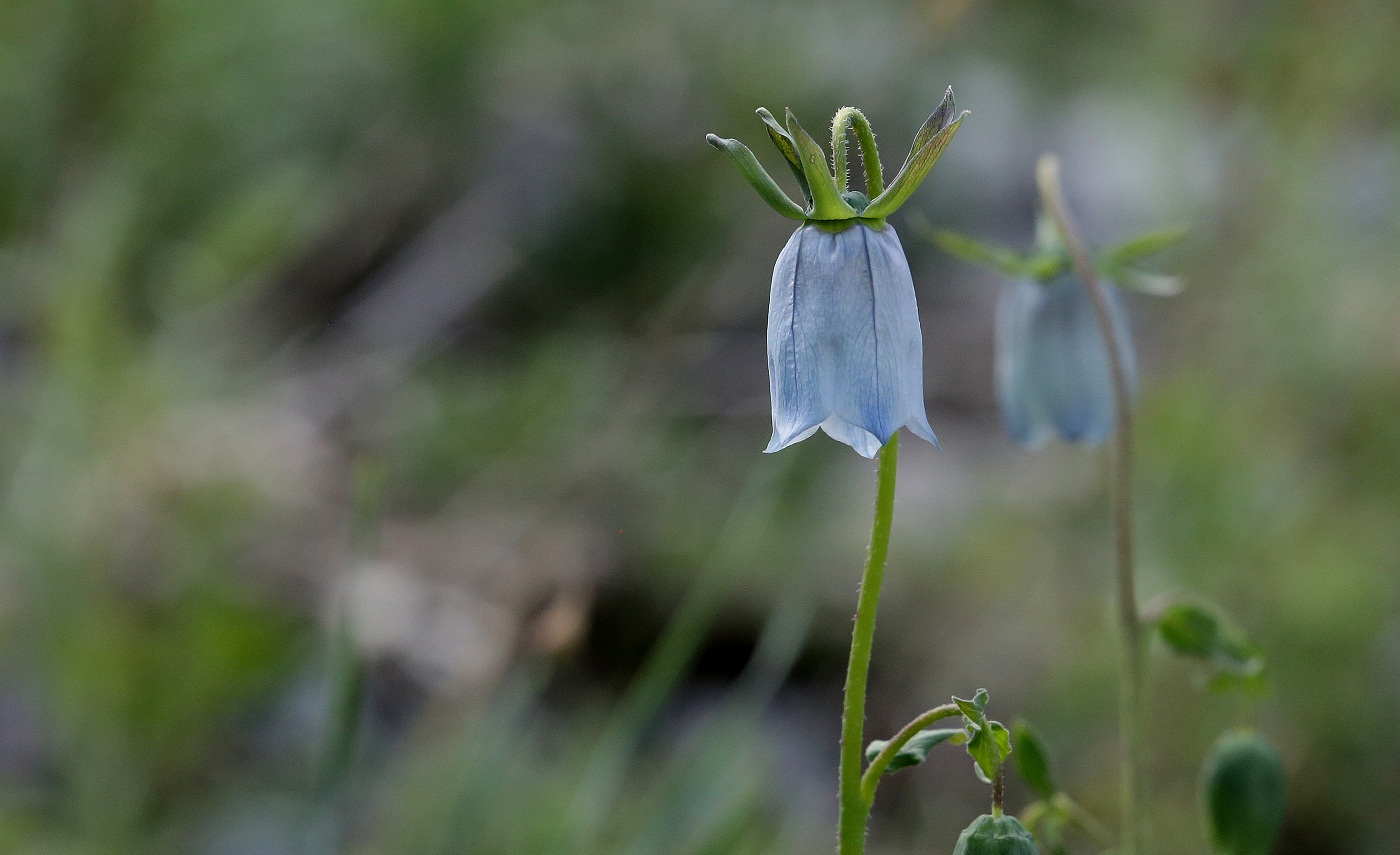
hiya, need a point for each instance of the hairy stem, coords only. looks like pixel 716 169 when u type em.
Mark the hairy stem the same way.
pixel 1131 721
pixel 854 807
pixel 850 117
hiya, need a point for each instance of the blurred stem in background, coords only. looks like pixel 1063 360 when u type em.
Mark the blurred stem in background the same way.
pixel 1131 718
pixel 854 806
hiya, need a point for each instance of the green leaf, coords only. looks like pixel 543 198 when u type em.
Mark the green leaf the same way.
pixel 1030 759
pixel 974 709
pixel 1194 630
pixel 1242 786
pixel 827 203
pixel 988 746
pixel 1135 249
pixel 779 135
pixel 921 159
pixel 1189 629
pixel 916 750
pixel 1003 259
pixel 757 177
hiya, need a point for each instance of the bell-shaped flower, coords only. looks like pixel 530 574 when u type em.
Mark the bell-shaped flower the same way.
pixel 845 353
pixel 844 349
pixel 1052 368
pixel 1053 375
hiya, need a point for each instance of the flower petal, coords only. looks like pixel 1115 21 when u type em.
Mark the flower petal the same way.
pixel 844 348
pixel 1025 419
pixel 863 441
pixel 799 404
pixel 1068 364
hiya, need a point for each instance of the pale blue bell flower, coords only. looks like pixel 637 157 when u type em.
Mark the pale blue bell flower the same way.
pixel 1052 368
pixel 844 349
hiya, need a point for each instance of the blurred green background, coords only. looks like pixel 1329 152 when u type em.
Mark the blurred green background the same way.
pixel 384 386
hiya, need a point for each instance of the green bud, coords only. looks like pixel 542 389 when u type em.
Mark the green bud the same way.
pixel 995 835
pixel 1242 785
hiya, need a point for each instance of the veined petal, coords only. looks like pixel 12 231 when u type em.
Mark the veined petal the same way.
pixel 799 402
pixel 844 348
pixel 1017 308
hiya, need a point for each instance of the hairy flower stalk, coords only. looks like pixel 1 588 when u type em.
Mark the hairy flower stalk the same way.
pixel 845 354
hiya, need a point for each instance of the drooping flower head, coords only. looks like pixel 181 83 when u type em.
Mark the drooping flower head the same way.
pixel 1052 367
pixel 845 353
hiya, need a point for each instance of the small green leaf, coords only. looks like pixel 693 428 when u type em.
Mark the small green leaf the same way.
pixel 779 135
pixel 973 709
pixel 1135 249
pixel 1002 737
pixel 1242 786
pixel 1030 759
pixel 757 177
pixel 916 750
pixel 916 167
pixel 827 203
pixel 1191 629
pixel 988 746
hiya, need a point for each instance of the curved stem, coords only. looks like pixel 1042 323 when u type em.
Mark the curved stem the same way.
pixel 854 807
pixel 850 117
pixel 871 779
pixel 1132 731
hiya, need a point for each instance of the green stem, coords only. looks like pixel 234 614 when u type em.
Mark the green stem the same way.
pixel 854 807
pixel 997 793
pixel 848 117
pixel 1131 707
pixel 871 779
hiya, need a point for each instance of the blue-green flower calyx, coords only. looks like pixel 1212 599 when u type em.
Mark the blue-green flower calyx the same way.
pixel 827 201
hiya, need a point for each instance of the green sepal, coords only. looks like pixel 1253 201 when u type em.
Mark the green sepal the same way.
pixel 916 750
pixel 1243 790
pixel 784 143
pixel 761 181
pixel 1003 259
pixel 1031 763
pixel 1135 249
pixel 1194 630
pixel 929 144
pixel 827 203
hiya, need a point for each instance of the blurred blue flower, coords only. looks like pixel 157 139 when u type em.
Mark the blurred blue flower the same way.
pixel 1052 367
pixel 844 349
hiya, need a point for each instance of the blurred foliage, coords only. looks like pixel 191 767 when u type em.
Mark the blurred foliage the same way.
pixel 246 247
